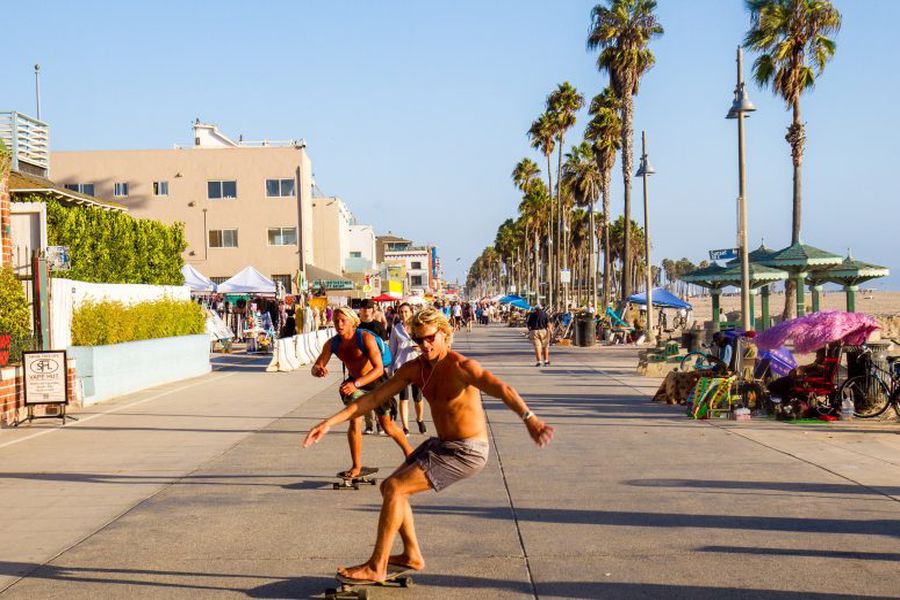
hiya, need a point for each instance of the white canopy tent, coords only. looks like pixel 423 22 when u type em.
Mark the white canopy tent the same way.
pixel 197 281
pixel 248 281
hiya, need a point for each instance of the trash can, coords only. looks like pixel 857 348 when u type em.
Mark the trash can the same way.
pixel 584 331
pixel 691 340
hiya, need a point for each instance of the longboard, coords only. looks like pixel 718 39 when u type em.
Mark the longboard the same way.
pixel 352 589
pixel 365 476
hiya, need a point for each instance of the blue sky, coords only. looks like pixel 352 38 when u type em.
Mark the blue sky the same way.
pixel 415 112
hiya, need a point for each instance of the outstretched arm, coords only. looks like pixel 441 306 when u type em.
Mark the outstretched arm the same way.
pixel 474 374
pixel 361 405
pixel 319 368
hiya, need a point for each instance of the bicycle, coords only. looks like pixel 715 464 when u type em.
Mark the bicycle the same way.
pixel 873 392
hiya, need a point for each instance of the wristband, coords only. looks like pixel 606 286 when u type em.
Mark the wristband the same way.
pixel 528 414
pixel 355 384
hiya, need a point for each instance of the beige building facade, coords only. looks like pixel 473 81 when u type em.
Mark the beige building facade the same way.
pixel 331 233
pixel 242 203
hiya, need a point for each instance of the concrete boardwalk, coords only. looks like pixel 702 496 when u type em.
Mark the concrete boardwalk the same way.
pixel 200 490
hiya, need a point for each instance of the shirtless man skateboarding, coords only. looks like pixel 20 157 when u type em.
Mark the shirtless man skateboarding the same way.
pixel 451 383
pixel 365 372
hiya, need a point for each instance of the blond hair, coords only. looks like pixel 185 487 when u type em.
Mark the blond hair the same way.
pixel 431 316
pixel 348 313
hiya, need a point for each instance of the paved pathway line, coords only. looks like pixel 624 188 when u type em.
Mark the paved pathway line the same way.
pixel 59 485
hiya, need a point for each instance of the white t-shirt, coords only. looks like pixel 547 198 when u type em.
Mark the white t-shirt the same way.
pixel 457 310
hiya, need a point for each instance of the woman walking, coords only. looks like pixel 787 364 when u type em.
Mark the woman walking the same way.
pixel 404 349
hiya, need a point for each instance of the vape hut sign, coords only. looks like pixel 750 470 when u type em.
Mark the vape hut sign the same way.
pixel 46 377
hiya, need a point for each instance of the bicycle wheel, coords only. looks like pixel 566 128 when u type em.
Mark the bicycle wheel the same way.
pixel 869 394
pixel 693 361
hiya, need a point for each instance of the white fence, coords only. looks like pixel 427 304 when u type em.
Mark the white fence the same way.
pixel 300 350
pixel 66 295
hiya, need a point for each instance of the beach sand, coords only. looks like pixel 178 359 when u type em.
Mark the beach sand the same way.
pixel 883 305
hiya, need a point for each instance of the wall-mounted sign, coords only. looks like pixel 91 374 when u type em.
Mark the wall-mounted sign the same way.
pixel 333 284
pixel 46 377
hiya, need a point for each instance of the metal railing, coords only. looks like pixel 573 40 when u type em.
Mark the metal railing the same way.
pixel 27 139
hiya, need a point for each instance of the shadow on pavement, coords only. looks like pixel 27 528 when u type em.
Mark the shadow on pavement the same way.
pixel 887 556
pixel 879 527
pixel 781 486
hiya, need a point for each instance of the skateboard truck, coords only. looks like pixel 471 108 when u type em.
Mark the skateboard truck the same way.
pixel 365 476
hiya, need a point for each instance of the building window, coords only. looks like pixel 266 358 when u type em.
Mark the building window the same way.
pixel 282 236
pixel 416 280
pixel 223 238
pixel 120 189
pixel 285 281
pixel 415 265
pixel 279 188
pixel 160 188
pixel 81 188
pixel 221 189
pixel 356 255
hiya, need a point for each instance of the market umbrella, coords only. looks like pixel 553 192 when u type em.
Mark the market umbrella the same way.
pixel 385 298
pixel 415 300
pixel 811 332
pixel 661 299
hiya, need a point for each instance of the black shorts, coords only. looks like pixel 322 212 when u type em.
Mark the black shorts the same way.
pixel 411 390
pixel 384 409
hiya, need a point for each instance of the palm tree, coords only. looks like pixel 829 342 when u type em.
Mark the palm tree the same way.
pixel 623 29
pixel 582 176
pixel 543 138
pixel 534 211
pixel 605 133
pixel 524 173
pixel 563 103
pixel 791 37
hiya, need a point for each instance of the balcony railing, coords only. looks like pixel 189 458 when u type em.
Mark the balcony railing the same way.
pixel 28 140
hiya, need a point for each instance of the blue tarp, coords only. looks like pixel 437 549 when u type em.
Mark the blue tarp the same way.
pixel 661 298
pixel 517 301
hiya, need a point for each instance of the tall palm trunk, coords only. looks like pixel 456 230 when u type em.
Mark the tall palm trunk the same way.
pixel 552 249
pixel 796 137
pixel 562 234
pixel 592 262
pixel 607 262
pixel 627 132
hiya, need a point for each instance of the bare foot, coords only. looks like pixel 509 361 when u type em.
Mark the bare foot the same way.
pixel 416 563
pixel 363 572
pixel 351 472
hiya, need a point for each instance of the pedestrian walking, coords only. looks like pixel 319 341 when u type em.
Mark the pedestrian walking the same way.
pixel 539 330
pixel 362 356
pixel 370 321
pixel 404 349
pixel 451 384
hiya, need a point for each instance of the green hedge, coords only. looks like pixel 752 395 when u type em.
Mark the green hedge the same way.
pixel 15 317
pixel 108 322
pixel 114 247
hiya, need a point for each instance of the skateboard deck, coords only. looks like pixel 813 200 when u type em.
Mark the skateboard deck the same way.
pixel 352 589
pixel 365 476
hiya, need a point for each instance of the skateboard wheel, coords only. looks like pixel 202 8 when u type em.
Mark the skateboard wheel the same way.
pixel 406 582
pixel 337 486
pixel 355 486
pixel 362 594
pixel 373 481
pixel 330 592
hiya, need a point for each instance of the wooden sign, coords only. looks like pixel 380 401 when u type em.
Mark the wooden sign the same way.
pixel 46 377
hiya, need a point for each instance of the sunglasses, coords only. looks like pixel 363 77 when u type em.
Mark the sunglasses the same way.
pixel 425 338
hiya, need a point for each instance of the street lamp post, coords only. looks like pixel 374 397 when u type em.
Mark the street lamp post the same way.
pixel 644 171
pixel 739 109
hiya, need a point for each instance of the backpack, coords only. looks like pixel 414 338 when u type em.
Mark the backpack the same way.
pixel 386 358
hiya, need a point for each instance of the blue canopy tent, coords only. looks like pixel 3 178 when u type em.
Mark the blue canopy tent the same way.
pixel 516 301
pixel 661 299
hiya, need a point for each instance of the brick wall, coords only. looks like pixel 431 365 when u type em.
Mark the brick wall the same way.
pixel 12 395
